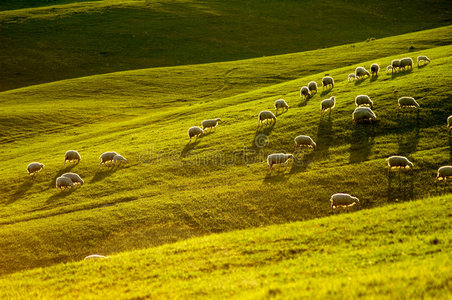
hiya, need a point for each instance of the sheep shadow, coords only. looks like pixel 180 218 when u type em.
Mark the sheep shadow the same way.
pixel 361 143
pixel 401 73
pixel 280 112
pixel 60 194
pixel 21 190
pixel 102 174
pixel 450 145
pixel 373 78
pixel 324 137
pixel 65 169
pixel 189 146
pixel 276 175
pixel 301 161
pixel 326 92
pixel 408 139
pixel 260 139
pixel 422 66
pixel 304 101
pixel 361 80
pixel 400 186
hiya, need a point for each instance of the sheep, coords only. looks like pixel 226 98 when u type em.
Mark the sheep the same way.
pixel 422 58
pixel 118 159
pixel 63 182
pixel 327 81
pixel 361 72
pixel 210 123
pixel 312 85
pixel 75 178
pixel 278 159
pixel 363 100
pixel 72 155
pixel 363 114
pixel 449 122
pixel 406 62
pixel 304 141
pixel 327 104
pixel 374 68
pixel 194 131
pixel 388 68
pixel 107 157
pixel 304 92
pixel 399 162
pixel 395 65
pixel 266 115
pixel 343 200
pixel 95 256
pixel 281 103
pixel 407 103
pixel 351 77
pixel 34 168
pixel 443 173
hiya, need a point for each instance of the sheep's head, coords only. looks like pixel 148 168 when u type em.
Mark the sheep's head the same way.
pixel 218 120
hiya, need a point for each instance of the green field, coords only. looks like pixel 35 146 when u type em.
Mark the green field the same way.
pixel 73 39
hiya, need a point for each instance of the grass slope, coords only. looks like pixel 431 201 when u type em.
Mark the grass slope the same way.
pixel 171 190
pixel 398 251
pixel 93 37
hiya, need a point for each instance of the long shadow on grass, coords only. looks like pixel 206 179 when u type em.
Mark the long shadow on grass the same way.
pixel 324 137
pixel 65 169
pixel 301 161
pixel 373 78
pixel 190 146
pixel 276 175
pixel 326 92
pixel 361 143
pixel 102 172
pixel 21 190
pixel 408 139
pixel 401 73
pixel 261 136
pixel 59 194
pixel 361 80
pixel 400 186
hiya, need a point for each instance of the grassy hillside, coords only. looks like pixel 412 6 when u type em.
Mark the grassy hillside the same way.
pixel 172 190
pixel 399 251
pixel 45 44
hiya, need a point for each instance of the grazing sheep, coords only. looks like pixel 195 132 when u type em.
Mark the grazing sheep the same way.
pixel 34 168
pixel 398 162
pixel 195 131
pixel 327 104
pixel 374 68
pixel 342 200
pixel 388 68
pixel 327 81
pixel 351 77
pixel 361 72
pixel 95 256
pixel 312 85
pixel 363 114
pixel 278 159
pixel 118 159
pixel 304 92
pixel 304 141
pixel 407 103
pixel 363 100
pixel 76 179
pixel 107 157
pixel 443 173
pixel 71 155
pixel 406 62
pixel 210 123
pixel 395 65
pixel 63 182
pixel 281 103
pixel 266 115
pixel 422 58
pixel 449 122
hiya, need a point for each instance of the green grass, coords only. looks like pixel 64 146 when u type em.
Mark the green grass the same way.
pixel 398 251
pixel 171 190
pixel 45 44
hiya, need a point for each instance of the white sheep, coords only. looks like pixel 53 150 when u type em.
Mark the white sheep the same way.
pixel 312 85
pixel 95 256
pixel 449 122
pixel 266 115
pixel 342 200
pixel 361 72
pixel 351 77
pixel 75 178
pixel 399 162
pixel 281 103
pixel 374 68
pixel 363 114
pixel 363 100
pixel 34 168
pixel 278 159
pixel 406 62
pixel 304 141
pixel 395 65
pixel 326 104
pixel 210 123
pixel 407 103
pixel 304 92
pixel 422 58
pixel 107 157
pixel 444 172
pixel 72 155
pixel 195 131
pixel 118 159
pixel 63 182
pixel 327 81
pixel 388 68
